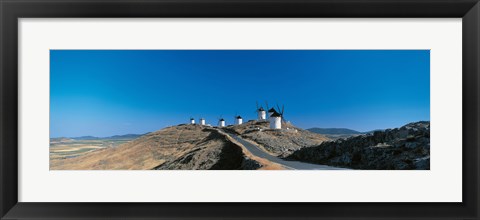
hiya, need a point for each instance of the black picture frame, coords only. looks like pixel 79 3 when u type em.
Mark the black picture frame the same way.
pixel 12 10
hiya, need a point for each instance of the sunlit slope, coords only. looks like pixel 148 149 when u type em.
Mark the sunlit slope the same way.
pixel 177 147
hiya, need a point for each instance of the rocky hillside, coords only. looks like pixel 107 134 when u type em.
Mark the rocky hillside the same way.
pixel 188 147
pixel 279 143
pixel 407 147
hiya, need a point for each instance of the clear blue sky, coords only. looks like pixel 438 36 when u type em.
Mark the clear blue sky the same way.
pixel 109 92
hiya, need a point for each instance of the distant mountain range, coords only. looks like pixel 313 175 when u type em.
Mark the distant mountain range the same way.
pixel 333 131
pixel 337 133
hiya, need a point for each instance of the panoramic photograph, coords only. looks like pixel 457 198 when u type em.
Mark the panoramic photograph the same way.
pixel 239 110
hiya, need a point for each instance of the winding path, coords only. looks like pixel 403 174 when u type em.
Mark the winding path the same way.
pixel 296 165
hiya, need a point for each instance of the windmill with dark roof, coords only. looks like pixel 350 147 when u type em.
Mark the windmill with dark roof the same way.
pixel 202 121
pixel 262 115
pixel 221 122
pixel 238 120
pixel 192 121
pixel 276 118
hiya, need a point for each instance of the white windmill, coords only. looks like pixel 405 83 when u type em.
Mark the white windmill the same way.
pixel 261 113
pixel 238 120
pixel 202 121
pixel 276 119
pixel 221 122
pixel 192 121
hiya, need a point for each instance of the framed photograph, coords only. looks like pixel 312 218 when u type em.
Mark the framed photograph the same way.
pixel 251 110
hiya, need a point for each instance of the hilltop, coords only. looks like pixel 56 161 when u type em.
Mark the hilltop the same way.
pixel 178 147
pixel 407 147
pixel 191 147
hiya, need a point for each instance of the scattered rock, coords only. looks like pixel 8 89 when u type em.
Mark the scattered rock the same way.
pixel 280 143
